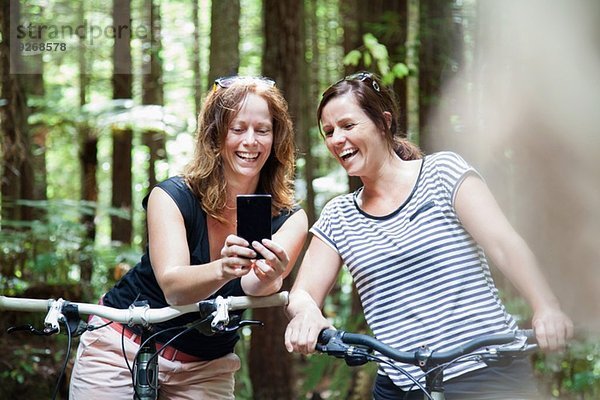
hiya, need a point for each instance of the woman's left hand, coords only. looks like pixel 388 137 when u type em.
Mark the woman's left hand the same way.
pixel 274 262
pixel 552 328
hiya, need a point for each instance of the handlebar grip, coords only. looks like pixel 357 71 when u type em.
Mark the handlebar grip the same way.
pixel 20 304
pixel 243 302
pixel 527 333
pixel 326 335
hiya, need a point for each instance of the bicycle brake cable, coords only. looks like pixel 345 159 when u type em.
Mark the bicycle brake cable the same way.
pixel 68 353
pixel 441 367
pixel 402 371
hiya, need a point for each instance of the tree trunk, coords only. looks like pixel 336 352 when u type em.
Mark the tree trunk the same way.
pixel 16 172
pixel 31 75
pixel 88 160
pixel 16 163
pixel 271 366
pixel 196 59
pixel 34 172
pixel 121 228
pixel 224 57
pixel 89 192
pixel 412 81
pixel 310 95
pixel 152 90
pixel 122 182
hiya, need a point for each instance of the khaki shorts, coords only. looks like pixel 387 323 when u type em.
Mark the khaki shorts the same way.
pixel 100 371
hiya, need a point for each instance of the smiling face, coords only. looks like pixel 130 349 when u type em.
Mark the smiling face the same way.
pixel 351 136
pixel 249 140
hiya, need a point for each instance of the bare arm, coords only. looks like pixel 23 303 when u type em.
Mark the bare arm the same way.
pixel 316 277
pixel 183 283
pixel 484 220
pixel 180 282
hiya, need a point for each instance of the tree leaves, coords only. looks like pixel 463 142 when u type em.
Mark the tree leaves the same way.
pixel 373 52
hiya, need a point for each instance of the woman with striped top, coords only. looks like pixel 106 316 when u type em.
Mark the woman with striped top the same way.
pixel 415 238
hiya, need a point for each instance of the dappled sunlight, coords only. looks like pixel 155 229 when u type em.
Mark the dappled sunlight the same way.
pixel 529 120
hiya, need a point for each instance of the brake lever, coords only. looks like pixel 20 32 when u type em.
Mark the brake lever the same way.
pixel 245 322
pixel 235 322
pixel 503 355
pixel 30 329
pixel 352 355
pixel 334 346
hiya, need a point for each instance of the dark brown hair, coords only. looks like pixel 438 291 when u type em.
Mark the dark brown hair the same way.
pixel 374 99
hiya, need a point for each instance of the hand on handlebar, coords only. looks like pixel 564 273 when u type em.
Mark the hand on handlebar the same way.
pixel 552 329
pixel 303 331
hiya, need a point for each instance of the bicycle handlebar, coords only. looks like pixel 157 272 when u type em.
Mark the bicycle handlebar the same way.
pixel 333 342
pixel 242 302
pixel 145 366
pixel 144 315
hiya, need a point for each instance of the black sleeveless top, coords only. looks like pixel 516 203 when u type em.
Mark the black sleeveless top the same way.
pixel 140 283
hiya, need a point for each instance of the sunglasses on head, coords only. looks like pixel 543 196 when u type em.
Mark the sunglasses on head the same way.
pixel 227 81
pixel 362 76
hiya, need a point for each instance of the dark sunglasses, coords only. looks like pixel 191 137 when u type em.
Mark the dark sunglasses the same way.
pixel 363 77
pixel 227 81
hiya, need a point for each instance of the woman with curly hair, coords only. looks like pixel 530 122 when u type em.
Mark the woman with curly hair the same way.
pixel 244 145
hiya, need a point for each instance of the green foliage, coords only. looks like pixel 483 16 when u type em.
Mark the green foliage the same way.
pixel 573 374
pixel 50 249
pixel 251 38
pixel 31 366
pixel 374 52
pixel 26 364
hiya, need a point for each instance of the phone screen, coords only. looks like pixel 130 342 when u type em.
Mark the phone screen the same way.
pixel 254 217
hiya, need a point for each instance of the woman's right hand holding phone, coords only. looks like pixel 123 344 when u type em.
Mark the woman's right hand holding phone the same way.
pixel 236 257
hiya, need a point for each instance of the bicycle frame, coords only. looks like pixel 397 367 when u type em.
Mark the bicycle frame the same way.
pixel 214 312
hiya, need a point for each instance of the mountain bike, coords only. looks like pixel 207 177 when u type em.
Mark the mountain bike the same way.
pixel 358 349
pixel 214 317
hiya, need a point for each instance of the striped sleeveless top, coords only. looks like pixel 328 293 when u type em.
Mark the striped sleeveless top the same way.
pixel 420 276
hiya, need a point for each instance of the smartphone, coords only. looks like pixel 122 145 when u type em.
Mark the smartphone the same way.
pixel 254 217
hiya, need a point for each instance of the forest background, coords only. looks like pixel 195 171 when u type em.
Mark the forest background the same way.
pixel 91 118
